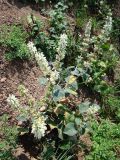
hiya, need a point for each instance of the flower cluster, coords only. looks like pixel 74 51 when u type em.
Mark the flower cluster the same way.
pixel 88 29
pixel 61 50
pixel 32 48
pixel 54 76
pixel 43 63
pixel 30 113
pixel 62 47
pixel 87 64
pixel 39 127
pixel 13 101
pixel 91 51
pixel 107 27
pixel 86 40
pixel 40 59
pixel 104 36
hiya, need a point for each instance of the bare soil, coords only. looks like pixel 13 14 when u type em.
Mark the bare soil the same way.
pixel 17 12
pixel 18 72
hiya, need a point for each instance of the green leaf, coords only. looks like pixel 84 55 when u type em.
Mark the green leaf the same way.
pixel 102 64
pixel 2 145
pixel 70 79
pixel 83 107
pixel 65 145
pixel 48 151
pixel 74 85
pixel 58 93
pixel 23 117
pixel 78 121
pixel 70 129
pixel 76 72
pixel 105 47
pixel 23 130
pixel 60 134
pixel 43 81
pixel 70 91
pixel 35 28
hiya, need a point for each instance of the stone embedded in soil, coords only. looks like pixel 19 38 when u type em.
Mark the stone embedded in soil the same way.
pixel 3 79
pixel 20 123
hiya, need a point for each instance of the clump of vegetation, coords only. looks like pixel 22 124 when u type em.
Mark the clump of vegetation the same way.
pixel 8 139
pixel 105 137
pixel 112 107
pixel 47 41
pixel 13 38
pixel 116 32
pixel 58 21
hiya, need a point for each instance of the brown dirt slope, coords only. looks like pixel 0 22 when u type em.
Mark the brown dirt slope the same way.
pixel 16 13
pixel 18 72
pixel 15 73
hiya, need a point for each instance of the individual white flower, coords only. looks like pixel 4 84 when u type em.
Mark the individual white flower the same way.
pixel 39 127
pixel 111 48
pixel 109 12
pixel 101 2
pixel 85 44
pixel 85 5
pixel 93 39
pixel 80 36
pixel 91 55
pixel 101 35
pixel 13 101
pixel 62 44
pixel 79 58
pixel 86 64
pixel 89 79
pixel 93 109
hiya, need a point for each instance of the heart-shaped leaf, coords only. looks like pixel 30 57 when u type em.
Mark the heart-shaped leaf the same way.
pixel 83 107
pixel 70 129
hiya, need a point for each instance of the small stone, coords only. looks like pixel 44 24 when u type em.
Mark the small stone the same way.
pixel 20 123
pixel 42 109
pixel 3 80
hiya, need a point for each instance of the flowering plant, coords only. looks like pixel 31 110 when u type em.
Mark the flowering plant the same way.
pixel 60 118
pixel 97 56
pixel 54 113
